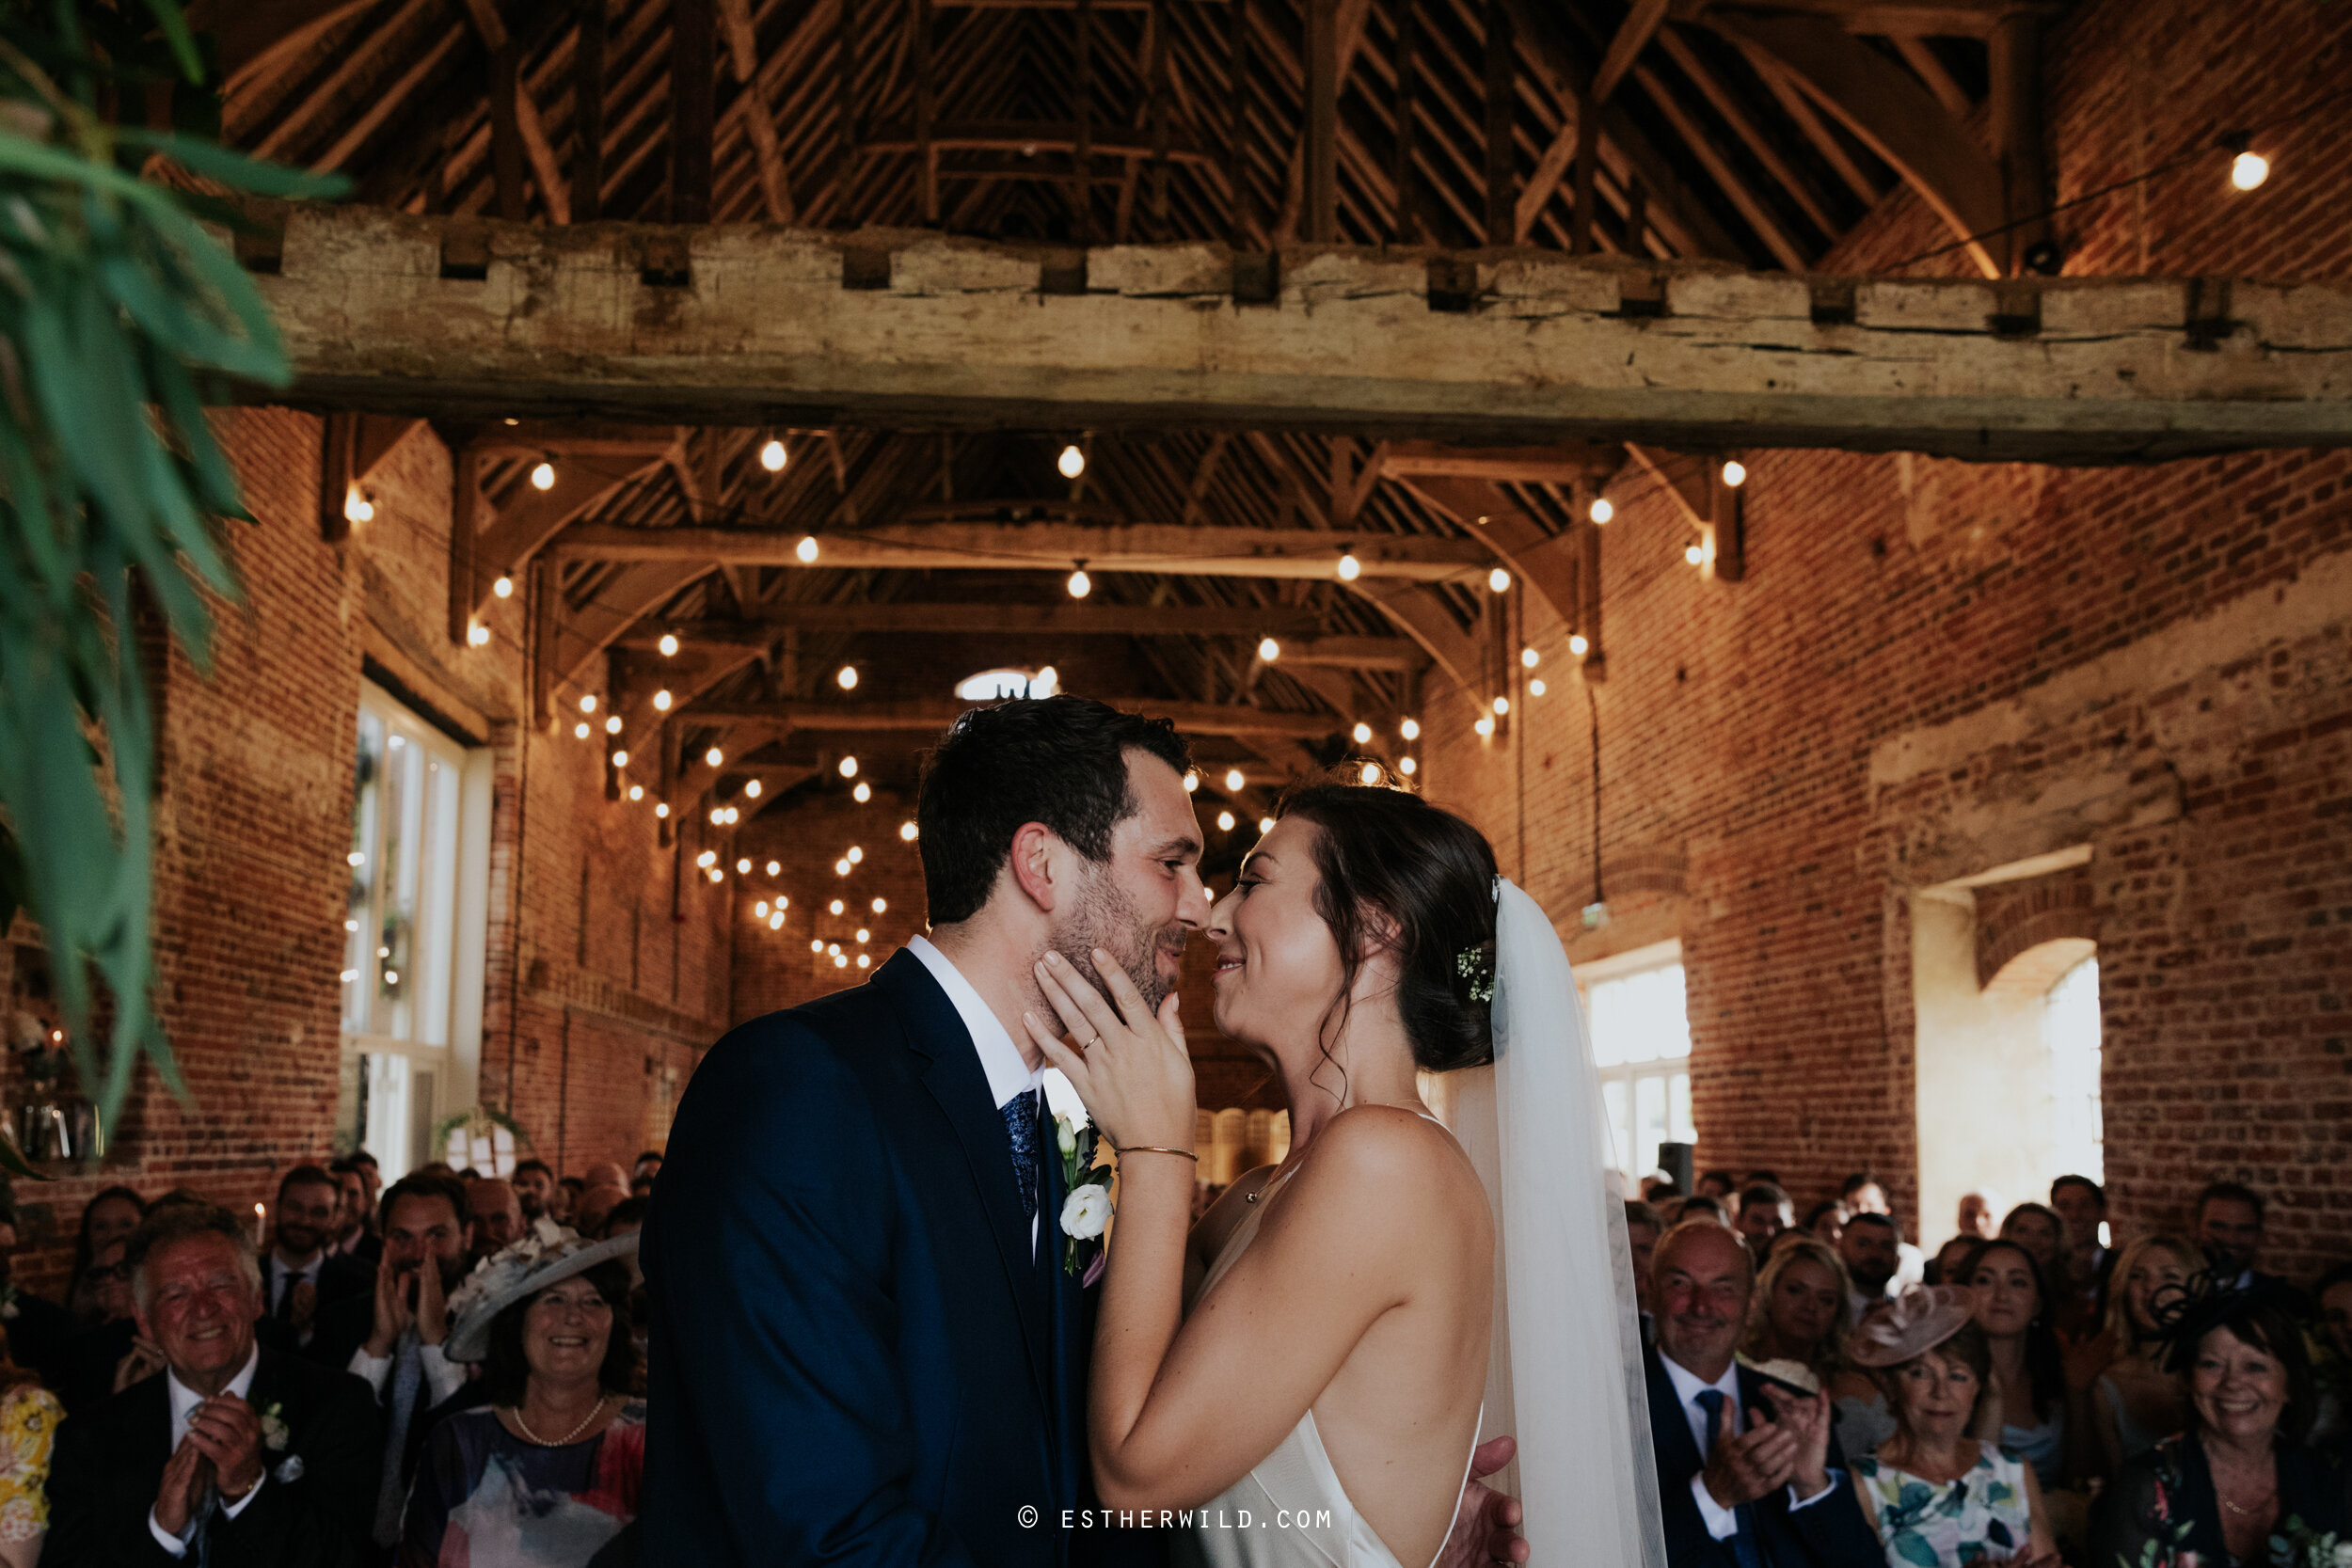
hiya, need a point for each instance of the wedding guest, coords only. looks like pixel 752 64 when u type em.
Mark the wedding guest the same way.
pixel 302 1271
pixel 237 1455
pixel 1826 1221
pixel 111 1216
pixel 1976 1217
pixel 1865 1193
pixel 2081 1206
pixel 596 1205
pixel 627 1219
pixel 2028 1374
pixel 2036 1227
pixel 1749 1475
pixel 549 1473
pixel 2333 1374
pixel 2230 1222
pixel 640 1178
pixel 1717 1184
pixel 534 1187
pixel 2135 1402
pixel 494 1216
pixel 1938 1496
pixel 1765 1211
pixel 564 1201
pixel 2240 1473
pixel 1871 1250
pixel 107 1356
pixel 1799 1311
pixel 29 1415
pixel 355 1222
pixel 1642 1227
pixel 38 1329
pixel 1658 1188
pixel 1944 1268
pixel 606 1173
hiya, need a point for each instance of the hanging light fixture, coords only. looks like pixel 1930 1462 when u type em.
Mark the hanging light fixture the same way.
pixel 773 868
pixel 2249 169
pixel 579 731
pixel 1534 688
pixel 772 455
pixel 612 724
pixel 1363 732
pixel 1579 644
pixel 863 793
pixel 908 831
pixel 356 507
pixel 620 759
pixel 1225 821
pixel 588 701
pixel 661 810
pixel 1233 778
pixel 504 587
pixel 1500 580
pixel 1529 658
pixel 751 790
pixel 1411 729
pixel 846 678
pixel 715 757
pixel 1350 568
pixel 543 475
pixel 1735 473
pixel 1600 511
pixel 1694 553
pixel 856 854
pixel 1269 649
pixel 1192 783
pixel 1080 584
pixel 1072 462
pixel 1369 773
pixel 662 701
pixel 478 634
pixel 668 644
pixel 849 768
pixel 806 549
pixel 880 905
pixel 1407 766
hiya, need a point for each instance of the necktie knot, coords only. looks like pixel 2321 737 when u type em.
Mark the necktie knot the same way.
pixel 1020 1129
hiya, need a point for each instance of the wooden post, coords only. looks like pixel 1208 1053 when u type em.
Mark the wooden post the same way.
pixel 1636 217
pixel 1237 122
pixel 506 136
pixel 1727 523
pixel 588 115
pixel 2015 50
pixel 694 75
pixel 1323 121
pixel 465 528
pixel 1502 196
pixel 1403 180
pixel 339 442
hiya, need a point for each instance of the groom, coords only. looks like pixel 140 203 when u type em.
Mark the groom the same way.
pixel 865 1348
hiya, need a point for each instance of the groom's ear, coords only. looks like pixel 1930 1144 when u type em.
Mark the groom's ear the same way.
pixel 1034 865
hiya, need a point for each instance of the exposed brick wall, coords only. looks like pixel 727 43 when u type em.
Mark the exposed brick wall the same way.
pixel 1887 594
pixel 2015 918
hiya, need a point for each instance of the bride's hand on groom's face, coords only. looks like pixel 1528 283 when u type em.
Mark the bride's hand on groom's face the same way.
pixel 1130 1068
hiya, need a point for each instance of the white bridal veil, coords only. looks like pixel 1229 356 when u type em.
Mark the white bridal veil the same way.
pixel 1565 1372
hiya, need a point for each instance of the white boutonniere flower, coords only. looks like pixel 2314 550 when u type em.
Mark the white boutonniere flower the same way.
pixel 7 1304
pixel 1087 1211
pixel 274 1433
pixel 1088 1208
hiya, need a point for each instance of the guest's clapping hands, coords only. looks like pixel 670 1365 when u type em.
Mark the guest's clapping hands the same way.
pixel 1485 1522
pixel 1743 1466
pixel 1804 1417
pixel 1131 1067
pixel 186 1474
pixel 225 1430
pixel 145 1360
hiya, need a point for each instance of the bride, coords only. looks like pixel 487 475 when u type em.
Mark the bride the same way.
pixel 1305 1368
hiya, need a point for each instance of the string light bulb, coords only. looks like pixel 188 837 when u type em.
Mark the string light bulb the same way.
pixel 1071 463
pixel 1535 688
pixel 751 790
pixel 707 859
pixel 775 921
pixel 588 701
pixel 579 731
pixel 846 678
pixel 1502 705
pixel 908 831
pixel 773 868
pixel 1484 727
pixel 834 908
pixel 1192 783
pixel 668 644
pixel 864 935
pixel 1350 568
pixel 662 701
pixel 717 875
pixel 543 475
pixel 1579 644
pixel 806 549
pixel 879 904
pixel 1500 580
pixel 637 792
pixel 1694 553
pixel 863 793
pixel 849 768
pixel 661 810
pixel 856 854
pixel 1080 584
pixel 1369 773
pixel 1735 473
pixel 1600 511
pixel 356 507
pixel 771 456
pixel 866 960
pixel 612 724
pixel 742 867
pixel 1362 733
pixel 1225 821
pixel 1269 649
pixel 733 816
pixel 715 757
pixel 1265 824
pixel 620 759
pixel 1529 658
pixel 1407 766
pixel 504 587
pixel 840 868
pixel 1233 778
pixel 717 816
pixel 817 945
pixel 478 634
pixel 1411 729
pixel 2248 170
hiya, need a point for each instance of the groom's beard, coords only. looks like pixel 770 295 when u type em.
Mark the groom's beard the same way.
pixel 1105 919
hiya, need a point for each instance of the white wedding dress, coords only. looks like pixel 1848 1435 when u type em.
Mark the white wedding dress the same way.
pixel 1296 1514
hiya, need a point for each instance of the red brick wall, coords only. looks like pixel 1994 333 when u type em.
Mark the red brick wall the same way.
pixel 1888 595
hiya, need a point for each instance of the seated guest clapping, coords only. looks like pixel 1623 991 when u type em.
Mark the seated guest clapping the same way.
pixel 1799 1311
pixel 1938 1496
pixel 2137 1402
pixel 549 1474
pixel 2241 1477
pixel 237 1455
pixel 1749 1475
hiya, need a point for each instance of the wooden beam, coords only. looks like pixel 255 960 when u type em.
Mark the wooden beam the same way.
pixel 1898 19
pixel 1633 33
pixel 775 189
pixel 2018 142
pixel 588 113
pixel 1422 615
pixel 1727 108
pixel 1892 113
pixel 1310 554
pixel 1931 71
pixel 1569 463
pixel 1545 562
pixel 964 618
pixel 1500 57
pixel 1760 218
pixel 930 716
pixel 1026 139
pixel 693 72
pixel 967 335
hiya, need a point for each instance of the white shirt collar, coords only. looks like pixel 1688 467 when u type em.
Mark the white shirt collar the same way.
pixel 184 1400
pixel 1686 1385
pixel 1007 1073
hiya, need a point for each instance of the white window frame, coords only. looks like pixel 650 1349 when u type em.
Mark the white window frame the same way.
pixel 449 931
pixel 1629 1077
pixel 2067 994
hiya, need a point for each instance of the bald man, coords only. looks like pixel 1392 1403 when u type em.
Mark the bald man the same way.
pixel 493 1216
pixel 1749 1473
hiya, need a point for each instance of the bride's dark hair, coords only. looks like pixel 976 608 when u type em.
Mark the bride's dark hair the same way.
pixel 1389 858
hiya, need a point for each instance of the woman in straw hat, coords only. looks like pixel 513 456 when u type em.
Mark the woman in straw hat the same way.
pixel 549 1474
pixel 1937 1496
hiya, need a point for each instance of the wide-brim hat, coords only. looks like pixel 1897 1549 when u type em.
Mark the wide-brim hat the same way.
pixel 1909 1325
pixel 549 1253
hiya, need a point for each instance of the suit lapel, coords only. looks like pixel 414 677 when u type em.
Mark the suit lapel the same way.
pixel 954 1079
pixel 1677 1450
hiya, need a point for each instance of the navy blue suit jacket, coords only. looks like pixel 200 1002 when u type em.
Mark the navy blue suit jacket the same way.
pixel 855 1358
pixel 1831 1534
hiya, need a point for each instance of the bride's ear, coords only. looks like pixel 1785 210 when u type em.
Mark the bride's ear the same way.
pixel 1376 933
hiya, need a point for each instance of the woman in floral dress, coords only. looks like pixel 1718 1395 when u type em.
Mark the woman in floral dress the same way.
pixel 29 1415
pixel 1937 1496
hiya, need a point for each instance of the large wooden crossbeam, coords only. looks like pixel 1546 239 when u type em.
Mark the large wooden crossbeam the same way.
pixel 934 717
pixel 750 326
pixel 965 618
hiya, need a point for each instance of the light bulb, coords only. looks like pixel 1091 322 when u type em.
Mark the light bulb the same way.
pixel 588 703
pixel 1225 821
pixel 744 867
pixel 864 935
pixel 1233 778
pixel 1529 658
pixel 1072 462
pixel 865 960
pixel 1502 705
pixel 1350 568
pixel 1484 727
pixel 504 587
pixel 2249 169
pixel 1735 473
pixel 356 507
pixel 834 908
pixel 715 756
pixel 579 731
pixel 1269 649
pixel 907 831
pixel 1080 584
pixel 772 455
pixel 1407 766
pixel 1534 688
pixel 1600 511
pixel 775 921
pixel 1192 783
pixel 717 875
pixel 841 868
pixel 1411 729
pixel 760 908
pixel 733 816
pixel 661 810
pixel 849 768
pixel 1369 773
pixel 717 816
pixel 856 854
pixel 356 858
pixel 1265 824
pixel 637 792
pixel 1500 580
pixel 817 945
pixel 806 549
pixel 1579 644
pixel 668 644
pixel 1363 734
pixel 863 793
pixel 751 790
pixel 880 905
pixel 662 701
pixel 543 476
pixel 846 678
pixel 773 868
pixel 1694 554
pixel 612 723
pixel 478 634
pixel 782 902
pixel 707 859
pixel 620 759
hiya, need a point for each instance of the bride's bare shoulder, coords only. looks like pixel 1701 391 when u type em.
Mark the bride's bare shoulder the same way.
pixel 1378 1153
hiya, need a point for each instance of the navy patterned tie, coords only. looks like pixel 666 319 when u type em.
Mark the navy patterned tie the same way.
pixel 1744 1547
pixel 1020 1126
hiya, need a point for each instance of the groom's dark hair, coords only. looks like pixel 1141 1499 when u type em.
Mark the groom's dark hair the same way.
pixel 1060 760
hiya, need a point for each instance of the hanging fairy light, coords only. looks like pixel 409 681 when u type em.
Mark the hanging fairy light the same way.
pixel 1500 580
pixel 1529 658
pixel 863 793
pixel 662 701
pixel 805 551
pixel 1269 649
pixel 908 830
pixel 1225 821
pixel 661 810
pixel 715 757
pixel 1080 584
pixel 579 731
pixel 637 792
pixel 879 904
pixel 2249 169
pixel 504 587
pixel 1411 729
pixel 751 790
pixel 849 768
pixel 1502 705
pixel 817 945
pixel 773 867
pixel 1192 783
pixel 1735 473
pixel 846 678
pixel 864 935
pixel 478 634
pixel 588 701
pixel 717 816
pixel 1350 568
pixel 1600 511
pixel 1265 824
pixel 1363 732
pixel 1579 644
pixel 620 759
pixel 744 867
pixel 1233 778
pixel 356 507
pixel 775 921
pixel 1694 553
pixel 1369 773
pixel 707 859
pixel 772 457
pixel 543 475
pixel 856 854
pixel 612 724
pixel 840 868
pixel 1407 766
pixel 834 908
pixel 717 875
pixel 1535 688
pixel 668 644
pixel 1071 463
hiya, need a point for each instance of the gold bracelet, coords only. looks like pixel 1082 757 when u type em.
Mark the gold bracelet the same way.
pixel 1153 1149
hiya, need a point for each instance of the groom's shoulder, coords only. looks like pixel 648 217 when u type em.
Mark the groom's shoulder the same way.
pixel 839 1043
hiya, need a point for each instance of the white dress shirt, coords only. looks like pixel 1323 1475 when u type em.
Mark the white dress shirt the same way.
pixel 283 1275
pixel 442 1376
pixel 183 1403
pixel 1722 1523
pixel 1008 1073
